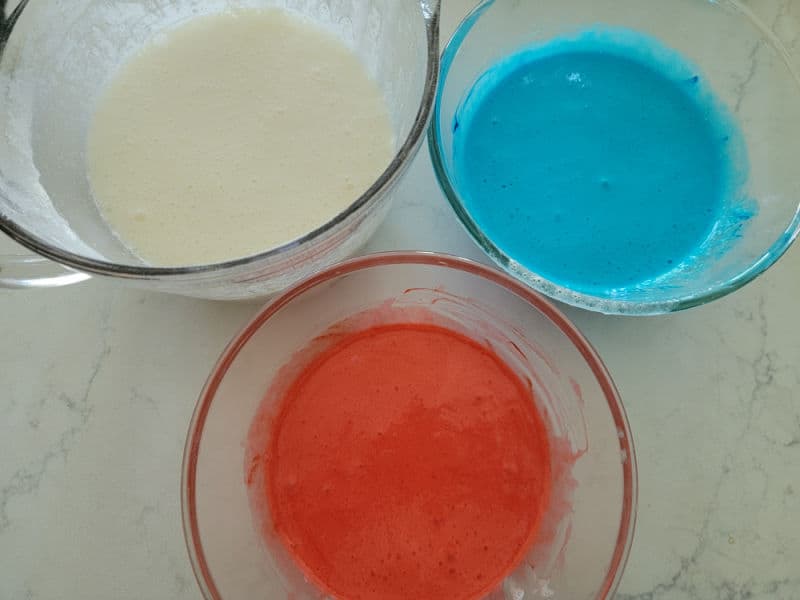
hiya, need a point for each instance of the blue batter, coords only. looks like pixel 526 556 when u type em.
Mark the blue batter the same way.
pixel 598 162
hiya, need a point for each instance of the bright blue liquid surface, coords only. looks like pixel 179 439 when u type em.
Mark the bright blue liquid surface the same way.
pixel 596 165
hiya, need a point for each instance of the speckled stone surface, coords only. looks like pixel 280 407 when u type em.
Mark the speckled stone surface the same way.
pixel 98 383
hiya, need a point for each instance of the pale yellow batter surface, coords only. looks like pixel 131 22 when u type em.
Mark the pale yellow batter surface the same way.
pixel 233 134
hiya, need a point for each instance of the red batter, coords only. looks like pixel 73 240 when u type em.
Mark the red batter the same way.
pixel 408 462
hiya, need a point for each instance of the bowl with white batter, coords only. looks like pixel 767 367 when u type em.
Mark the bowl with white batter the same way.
pixel 221 149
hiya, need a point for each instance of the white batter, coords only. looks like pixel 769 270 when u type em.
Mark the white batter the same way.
pixel 235 133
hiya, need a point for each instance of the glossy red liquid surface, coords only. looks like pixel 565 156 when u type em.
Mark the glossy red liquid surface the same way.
pixel 407 462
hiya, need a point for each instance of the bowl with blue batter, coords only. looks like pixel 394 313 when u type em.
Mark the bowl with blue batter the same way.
pixel 628 157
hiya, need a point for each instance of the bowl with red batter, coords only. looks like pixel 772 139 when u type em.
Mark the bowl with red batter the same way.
pixel 407 426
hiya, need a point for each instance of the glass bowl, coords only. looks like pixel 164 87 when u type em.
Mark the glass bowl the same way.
pixel 588 529
pixel 745 64
pixel 55 59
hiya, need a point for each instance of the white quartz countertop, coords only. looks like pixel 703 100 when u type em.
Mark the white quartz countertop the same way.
pixel 98 383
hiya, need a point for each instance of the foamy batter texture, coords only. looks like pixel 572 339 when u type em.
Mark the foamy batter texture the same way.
pixel 233 134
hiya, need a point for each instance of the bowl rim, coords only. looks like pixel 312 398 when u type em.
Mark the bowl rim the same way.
pixel 628 510
pixel 564 294
pixel 429 18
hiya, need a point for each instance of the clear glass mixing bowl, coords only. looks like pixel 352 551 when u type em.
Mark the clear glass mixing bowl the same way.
pixel 588 527
pixel 745 64
pixel 55 58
